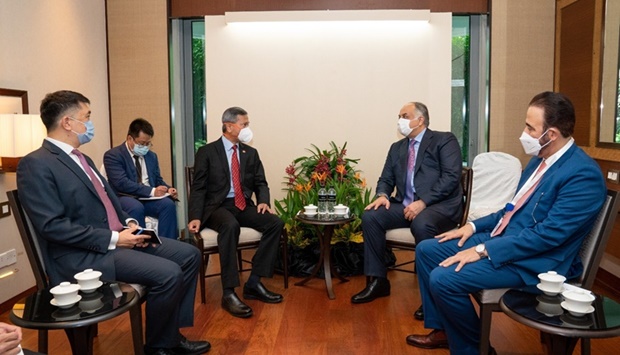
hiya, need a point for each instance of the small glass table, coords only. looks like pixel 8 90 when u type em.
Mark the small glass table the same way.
pixel 328 222
pixel 561 329
pixel 80 320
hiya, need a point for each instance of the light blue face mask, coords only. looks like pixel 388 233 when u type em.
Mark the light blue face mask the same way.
pixel 140 149
pixel 87 136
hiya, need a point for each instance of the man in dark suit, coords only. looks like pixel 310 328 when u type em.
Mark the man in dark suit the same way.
pixel 79 222
pixel 133 172
pixel 226 174
pixel 560 194
pixel 425 168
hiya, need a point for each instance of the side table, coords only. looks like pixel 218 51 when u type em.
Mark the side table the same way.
pixel 80 320
pixel 560 328
pixel 328 222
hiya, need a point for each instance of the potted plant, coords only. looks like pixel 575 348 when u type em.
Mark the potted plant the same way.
pixel 304 177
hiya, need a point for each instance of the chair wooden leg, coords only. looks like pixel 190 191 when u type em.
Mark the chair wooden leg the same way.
pixel 203 271
pixel 486 315
pixel 240 260
pixel 135 316
pixel 285 259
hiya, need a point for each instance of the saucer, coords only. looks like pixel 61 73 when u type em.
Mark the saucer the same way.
pixel 66 305
pixel 576 313
pixel 310 214
pixel 548 292
pixel 92 289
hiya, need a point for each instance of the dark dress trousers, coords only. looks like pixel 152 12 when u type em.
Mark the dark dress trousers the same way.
pixel 121 172
pixel 437 174
pixel 72 226
pixel 208 203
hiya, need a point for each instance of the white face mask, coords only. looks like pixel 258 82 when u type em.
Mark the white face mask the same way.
pixel 403 126
pixel 245 135
pixel 531 145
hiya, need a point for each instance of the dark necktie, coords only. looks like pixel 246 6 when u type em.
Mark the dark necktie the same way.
pixel 113 221
pixel 410 166
pixel 236 178
pixel 138 168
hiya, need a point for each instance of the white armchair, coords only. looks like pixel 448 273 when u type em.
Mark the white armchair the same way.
pixel 496 176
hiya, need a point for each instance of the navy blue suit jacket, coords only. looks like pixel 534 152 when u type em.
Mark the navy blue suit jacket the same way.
pixel 55 192
pixel 437 172
pixel 547 232
pixel 121 172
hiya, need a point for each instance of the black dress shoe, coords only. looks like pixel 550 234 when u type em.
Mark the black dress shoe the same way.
pixel 261 293
pixel 157 351
pixel 378 287
pixel 187 347
pixel 419 313
pixel 233 305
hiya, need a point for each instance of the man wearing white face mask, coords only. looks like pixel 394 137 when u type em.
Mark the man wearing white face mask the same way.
pixel 133 171
pixel 425 169
pixel 559 197
pixel 226 174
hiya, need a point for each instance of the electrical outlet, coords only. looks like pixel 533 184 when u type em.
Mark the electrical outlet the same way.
pixel 5 211
pixel 613 176
pixel 8 258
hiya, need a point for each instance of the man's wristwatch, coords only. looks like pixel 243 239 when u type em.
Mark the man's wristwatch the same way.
pixel 481 250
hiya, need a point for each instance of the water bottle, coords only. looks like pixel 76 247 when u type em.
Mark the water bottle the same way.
pixel 331 200
pixel 322 201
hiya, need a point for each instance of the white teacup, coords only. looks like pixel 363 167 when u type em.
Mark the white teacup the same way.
pixel 88 279
pixel 341 209
pixel 65 293
pixel 551 282
pixel 578 300
pixel 310 209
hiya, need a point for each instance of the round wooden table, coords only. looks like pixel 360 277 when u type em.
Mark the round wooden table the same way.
pixel 80 320
pixel 561 330
pixel 324 225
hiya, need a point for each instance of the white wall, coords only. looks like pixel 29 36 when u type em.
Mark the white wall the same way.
pixel 49 46
pixel 308 83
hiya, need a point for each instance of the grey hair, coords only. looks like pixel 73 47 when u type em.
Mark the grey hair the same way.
pixel 231 115
pixel 422 110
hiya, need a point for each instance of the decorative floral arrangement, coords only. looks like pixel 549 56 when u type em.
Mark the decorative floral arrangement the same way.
pixel 306 175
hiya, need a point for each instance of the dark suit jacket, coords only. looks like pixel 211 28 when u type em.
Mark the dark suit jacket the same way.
pixel 546 233
pixel 437 173
pixel 121 171
pixel 211 181
pixel 67 213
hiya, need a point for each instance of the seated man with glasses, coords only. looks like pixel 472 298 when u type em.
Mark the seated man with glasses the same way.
pixel 133 171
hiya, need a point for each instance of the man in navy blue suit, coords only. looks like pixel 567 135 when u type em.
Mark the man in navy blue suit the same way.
pixel 559 197
pixel 133 172
pixel 425 169
pixel 79 224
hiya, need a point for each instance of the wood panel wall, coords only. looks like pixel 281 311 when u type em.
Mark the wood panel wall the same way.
pixel 138 72
pixel 198 8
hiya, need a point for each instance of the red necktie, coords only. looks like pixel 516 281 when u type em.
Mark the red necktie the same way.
pixel 410 166
pixel 520 203
pixel 113 221
pixel 236 178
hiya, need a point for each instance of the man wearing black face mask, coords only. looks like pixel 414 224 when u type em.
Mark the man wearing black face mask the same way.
pixel 541 229
pixel 79 223
pixel 425 169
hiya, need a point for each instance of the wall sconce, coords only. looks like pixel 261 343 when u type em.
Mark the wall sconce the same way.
pixel 19 135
